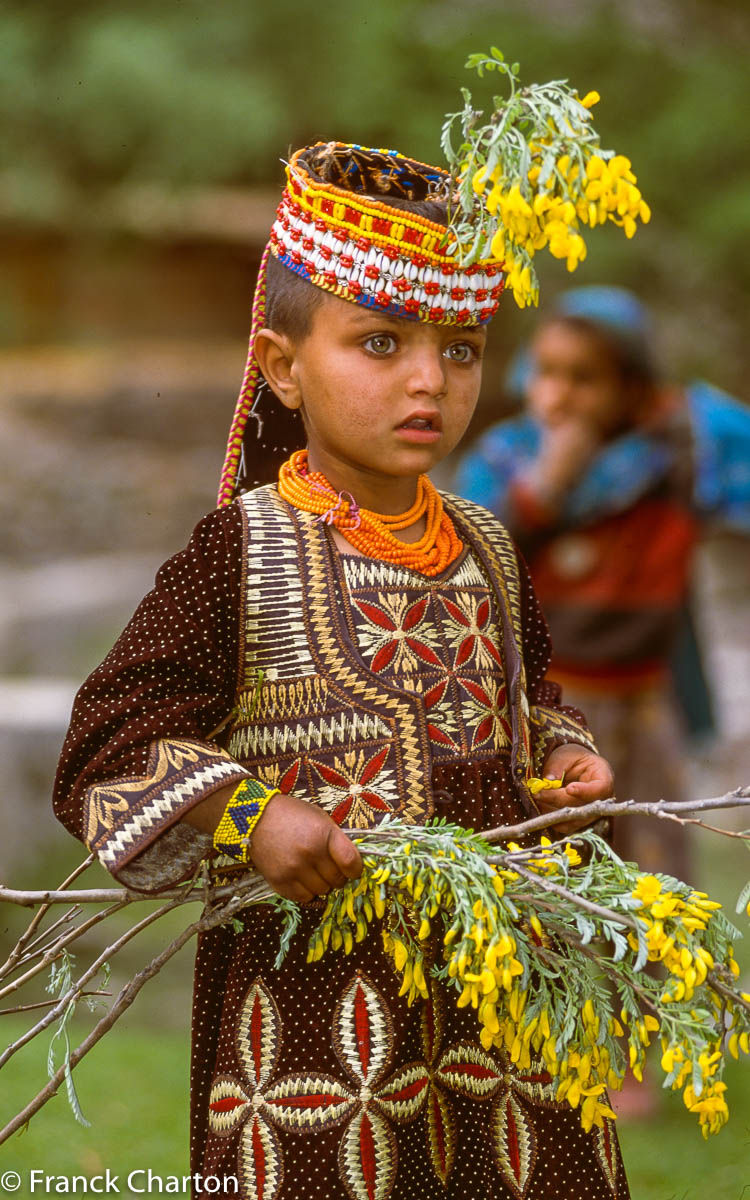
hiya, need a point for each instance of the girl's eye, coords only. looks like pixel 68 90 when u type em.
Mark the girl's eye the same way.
pixel 462 352
pixel 381 343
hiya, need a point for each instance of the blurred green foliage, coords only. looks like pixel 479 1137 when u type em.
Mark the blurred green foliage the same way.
pixel 95 93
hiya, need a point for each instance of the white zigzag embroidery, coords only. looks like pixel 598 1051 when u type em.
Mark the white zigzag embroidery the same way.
pixel 367 573
pixel 161 806
pixel 255 741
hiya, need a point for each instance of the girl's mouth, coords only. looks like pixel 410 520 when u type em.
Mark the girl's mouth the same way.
pixel 422 428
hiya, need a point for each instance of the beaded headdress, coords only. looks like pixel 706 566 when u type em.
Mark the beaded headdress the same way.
pixel 333 229
pixel 525 178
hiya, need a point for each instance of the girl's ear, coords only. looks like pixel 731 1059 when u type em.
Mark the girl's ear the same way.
pixel 275 353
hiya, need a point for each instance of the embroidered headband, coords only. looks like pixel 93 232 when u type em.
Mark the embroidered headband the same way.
pixel 526 178
pixel 359 247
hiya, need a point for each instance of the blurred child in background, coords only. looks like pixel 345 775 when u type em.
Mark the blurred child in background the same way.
pixel 605 482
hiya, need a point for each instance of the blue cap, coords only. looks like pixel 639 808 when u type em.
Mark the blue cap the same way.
pixel 613 307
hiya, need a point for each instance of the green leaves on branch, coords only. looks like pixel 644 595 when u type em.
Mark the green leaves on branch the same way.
pixel 529 174
pixel 550 945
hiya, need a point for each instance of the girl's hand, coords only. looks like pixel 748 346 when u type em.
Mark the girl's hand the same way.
pixel 588 777
pixel 565 452
pixel 300 851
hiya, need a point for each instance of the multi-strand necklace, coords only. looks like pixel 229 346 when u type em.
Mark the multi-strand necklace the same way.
pixel 374 534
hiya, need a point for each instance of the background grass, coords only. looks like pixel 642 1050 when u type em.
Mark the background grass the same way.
pixel 134 1090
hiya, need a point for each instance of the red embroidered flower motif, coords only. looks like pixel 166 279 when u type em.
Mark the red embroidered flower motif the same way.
pixel 434 699
pixel 473 636
pixel 487 703
pixel 349 795
pixel 232 1105
pixel 273 777
pixel 391 633
pixel 514 1141
pixel 310 1102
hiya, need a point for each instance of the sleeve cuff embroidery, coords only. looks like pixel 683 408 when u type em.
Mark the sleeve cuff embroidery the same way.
pixel 550 727
pixel 124 816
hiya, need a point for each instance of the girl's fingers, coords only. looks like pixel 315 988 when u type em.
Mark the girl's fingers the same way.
pixel 331 874
pixel 344 854
pixel 315 882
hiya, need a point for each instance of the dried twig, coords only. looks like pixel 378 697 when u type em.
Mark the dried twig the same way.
pixel 126 997
pixel 26 936
pixel 54 950
pixel 73 993
pixel 662 810
pixel 251 886
pixel 19 1008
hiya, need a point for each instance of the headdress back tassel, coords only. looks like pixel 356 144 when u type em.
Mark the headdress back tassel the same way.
pixel 247 394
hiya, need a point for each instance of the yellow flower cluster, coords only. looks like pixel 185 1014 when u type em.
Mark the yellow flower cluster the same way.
pixel 670 923
pixel 452 914
pixel 709 1102
pixel 585 1075
pixel 350 910
pixel 547 208
pixel 673 925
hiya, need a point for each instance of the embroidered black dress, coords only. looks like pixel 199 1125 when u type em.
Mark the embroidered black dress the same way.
pixel 382 691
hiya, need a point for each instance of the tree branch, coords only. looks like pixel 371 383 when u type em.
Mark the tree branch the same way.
pixel 661 809
pixel 19 1008
pixel 125 998
pixel 249 884
pixel 74 991
pixel 53 951
pixel 31 929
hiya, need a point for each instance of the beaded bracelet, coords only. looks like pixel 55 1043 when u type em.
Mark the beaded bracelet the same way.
pixel 245 808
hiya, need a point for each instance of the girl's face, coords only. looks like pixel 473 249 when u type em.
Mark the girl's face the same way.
pixel 576 377
pixel 384 399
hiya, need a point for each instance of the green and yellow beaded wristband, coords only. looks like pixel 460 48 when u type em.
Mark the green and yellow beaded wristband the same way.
pixel 245 808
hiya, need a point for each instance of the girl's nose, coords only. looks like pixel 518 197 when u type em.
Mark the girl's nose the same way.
pixel 426 371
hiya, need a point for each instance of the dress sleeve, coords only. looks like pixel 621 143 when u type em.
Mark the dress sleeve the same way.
pixel 139 752
pixel 552 722
pixel 721 433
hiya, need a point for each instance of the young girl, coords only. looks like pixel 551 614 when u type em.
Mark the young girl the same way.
pixel 337 645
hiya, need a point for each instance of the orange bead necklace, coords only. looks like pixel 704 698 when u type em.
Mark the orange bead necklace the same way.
pixel 371 532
